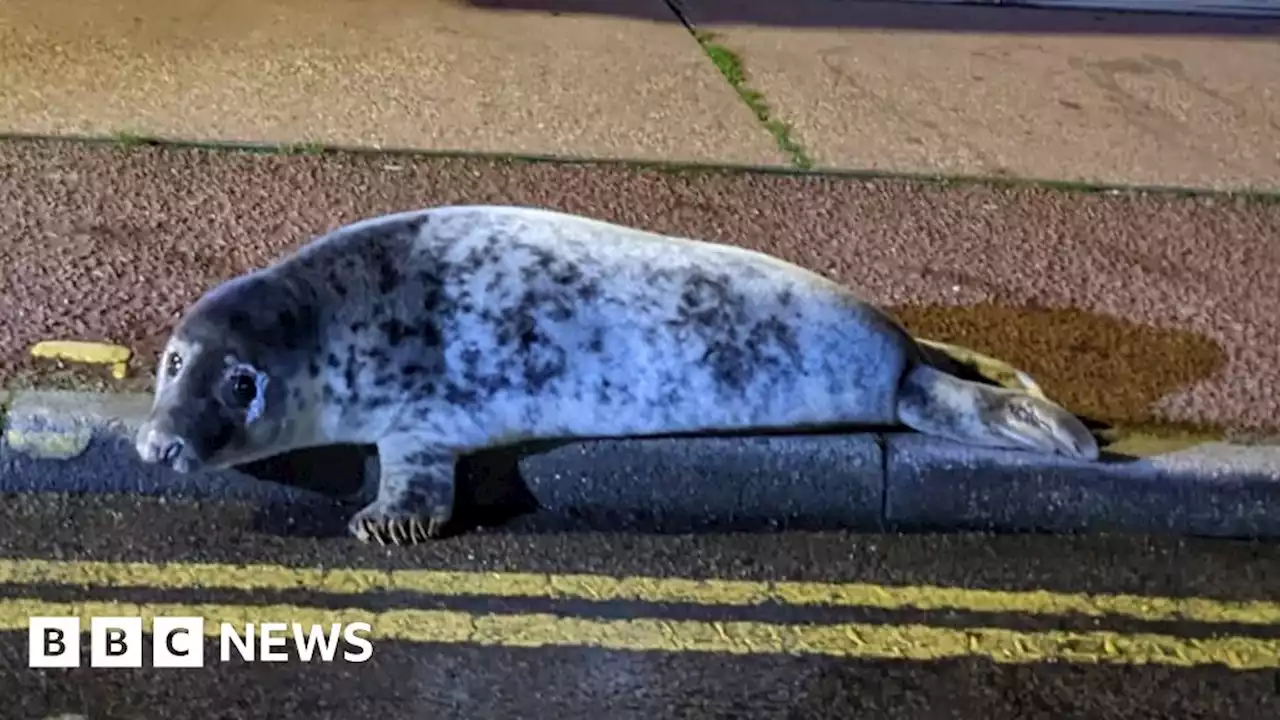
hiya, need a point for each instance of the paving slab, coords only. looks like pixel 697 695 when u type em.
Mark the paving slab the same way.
pixel 999 91
pixel 432 74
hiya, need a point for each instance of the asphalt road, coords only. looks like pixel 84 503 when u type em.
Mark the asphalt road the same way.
pixel 610 647
pixel 1127 308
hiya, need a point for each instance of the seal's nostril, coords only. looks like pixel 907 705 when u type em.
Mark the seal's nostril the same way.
pixel 171 451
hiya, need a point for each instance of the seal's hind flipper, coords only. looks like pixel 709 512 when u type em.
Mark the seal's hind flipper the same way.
pixel 937 403
pixel 1040 425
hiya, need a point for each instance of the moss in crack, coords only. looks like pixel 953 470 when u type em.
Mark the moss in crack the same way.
pixel 1265 197
pixel 304 148
pixel 731 67
pixel 129 140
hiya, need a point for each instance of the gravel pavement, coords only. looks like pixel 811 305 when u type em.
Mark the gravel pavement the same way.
pixel 1127 307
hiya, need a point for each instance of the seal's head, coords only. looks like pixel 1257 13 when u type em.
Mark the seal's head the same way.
pixel 224 380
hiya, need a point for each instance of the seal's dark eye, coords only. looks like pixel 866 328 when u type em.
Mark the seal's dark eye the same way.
pixel 243 389
pixel 173 364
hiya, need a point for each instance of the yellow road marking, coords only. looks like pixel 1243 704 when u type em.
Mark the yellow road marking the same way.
pixel 847 640
pixel 640 589
pixel 117 356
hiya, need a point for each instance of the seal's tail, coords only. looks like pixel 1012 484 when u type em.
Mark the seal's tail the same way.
pixel 937 403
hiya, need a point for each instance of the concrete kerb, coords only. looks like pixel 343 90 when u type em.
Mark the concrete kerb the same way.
pixel 1211 489
pixel 73 442
pixel 63 441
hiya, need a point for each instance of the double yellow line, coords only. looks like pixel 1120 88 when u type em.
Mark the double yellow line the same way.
pixel 849 640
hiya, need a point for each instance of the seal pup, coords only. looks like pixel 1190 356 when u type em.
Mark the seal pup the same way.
pixel 446 330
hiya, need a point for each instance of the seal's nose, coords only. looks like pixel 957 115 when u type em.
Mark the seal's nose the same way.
pixel 155 446
pixel 170 452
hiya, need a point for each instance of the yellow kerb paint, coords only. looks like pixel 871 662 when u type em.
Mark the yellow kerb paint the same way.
pixel 95 353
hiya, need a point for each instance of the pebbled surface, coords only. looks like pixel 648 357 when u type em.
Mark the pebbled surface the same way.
pixel 463 681
pixel 1126 307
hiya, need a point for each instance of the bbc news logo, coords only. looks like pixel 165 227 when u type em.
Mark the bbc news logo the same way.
pixel 179 642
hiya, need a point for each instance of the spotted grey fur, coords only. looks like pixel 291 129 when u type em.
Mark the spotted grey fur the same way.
pixel 442 331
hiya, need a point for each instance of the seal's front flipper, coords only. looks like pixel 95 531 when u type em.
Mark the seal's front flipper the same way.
pixel 415 494
pixel 937 403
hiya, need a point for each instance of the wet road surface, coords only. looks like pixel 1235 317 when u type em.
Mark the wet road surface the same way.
pixel 1127 308
pixel 524 622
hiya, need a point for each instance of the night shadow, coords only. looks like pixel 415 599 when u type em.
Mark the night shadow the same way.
pixel 490 490
pixel 493 495
pixel 1105 369
pixel 855 14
